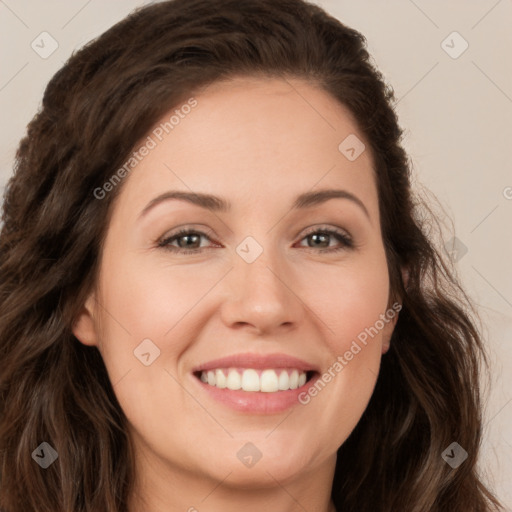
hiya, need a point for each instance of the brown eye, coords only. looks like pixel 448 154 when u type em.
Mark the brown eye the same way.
pixel 188 241
pixel 320 239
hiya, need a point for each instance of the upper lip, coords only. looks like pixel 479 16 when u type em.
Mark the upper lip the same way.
pixel 258 361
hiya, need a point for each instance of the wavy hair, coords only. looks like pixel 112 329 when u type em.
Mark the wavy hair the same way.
pixel 95 110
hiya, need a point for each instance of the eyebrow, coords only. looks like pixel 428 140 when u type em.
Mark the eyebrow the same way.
pixel 218 204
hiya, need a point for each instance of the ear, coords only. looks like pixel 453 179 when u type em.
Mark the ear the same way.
pixel 392 317
pixel 84 327
pixel 392 314
pixel 405 276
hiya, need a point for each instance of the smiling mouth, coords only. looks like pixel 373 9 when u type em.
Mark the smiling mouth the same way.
pixel 270 380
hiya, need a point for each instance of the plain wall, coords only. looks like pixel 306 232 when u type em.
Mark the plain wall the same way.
pixel 456 111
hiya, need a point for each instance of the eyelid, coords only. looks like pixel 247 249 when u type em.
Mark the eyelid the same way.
pixel 199 228
pixel 324 227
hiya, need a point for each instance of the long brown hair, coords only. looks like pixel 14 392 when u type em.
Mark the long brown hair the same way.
pixel 95 110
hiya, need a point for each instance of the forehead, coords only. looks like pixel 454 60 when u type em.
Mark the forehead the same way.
pixel 253 140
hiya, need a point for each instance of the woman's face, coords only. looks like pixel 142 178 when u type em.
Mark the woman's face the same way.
pixel 258 300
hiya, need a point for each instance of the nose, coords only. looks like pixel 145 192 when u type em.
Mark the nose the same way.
pixel 262 296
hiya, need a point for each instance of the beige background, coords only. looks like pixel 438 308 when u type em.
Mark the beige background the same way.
pixel 457 113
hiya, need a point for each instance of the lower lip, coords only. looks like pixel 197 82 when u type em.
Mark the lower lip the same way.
pixel 257 402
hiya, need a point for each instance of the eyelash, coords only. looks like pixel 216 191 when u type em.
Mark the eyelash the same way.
pixel 164 243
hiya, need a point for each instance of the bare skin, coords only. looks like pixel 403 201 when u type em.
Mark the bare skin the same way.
pixel 258 143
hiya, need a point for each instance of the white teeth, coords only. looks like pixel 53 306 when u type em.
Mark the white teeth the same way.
pixel 269 381
pixel 284 381
pixel 234 381
pixel 266 381
pixel 220 379
pixel 250 380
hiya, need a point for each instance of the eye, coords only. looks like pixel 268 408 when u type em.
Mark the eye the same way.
pixel 322 235
pixel 188 239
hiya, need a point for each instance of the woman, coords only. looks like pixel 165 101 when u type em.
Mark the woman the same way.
pixel 269 367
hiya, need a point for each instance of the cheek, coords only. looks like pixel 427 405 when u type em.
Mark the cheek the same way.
pixel 358 311
pixel 150 301
pixel 144 311
pixel 349 300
